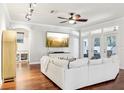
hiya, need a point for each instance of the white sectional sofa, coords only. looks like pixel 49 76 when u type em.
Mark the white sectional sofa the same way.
pixel 79 73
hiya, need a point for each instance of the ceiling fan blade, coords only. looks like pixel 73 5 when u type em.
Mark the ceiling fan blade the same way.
pixel 63 21
pixel 62 18
pixel 82 20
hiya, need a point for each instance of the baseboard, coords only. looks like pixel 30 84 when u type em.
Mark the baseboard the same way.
pixel 121 67
pixel 36 62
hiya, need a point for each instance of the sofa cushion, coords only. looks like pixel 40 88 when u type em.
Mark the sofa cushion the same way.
pixel 72 59
pixel 60 63
pixel 107 60
pixel 95 61
pixel 44 59
pixel 44 63
pixel 77 63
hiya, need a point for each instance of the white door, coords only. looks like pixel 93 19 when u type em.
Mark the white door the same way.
pixel 110 44
pixel 95 46
pixel 85 45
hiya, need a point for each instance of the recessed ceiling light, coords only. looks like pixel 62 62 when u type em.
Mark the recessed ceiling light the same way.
pixel 52 11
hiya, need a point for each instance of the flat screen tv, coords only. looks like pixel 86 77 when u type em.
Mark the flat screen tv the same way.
pixel 57 39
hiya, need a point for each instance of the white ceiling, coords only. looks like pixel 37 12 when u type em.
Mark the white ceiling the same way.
pixel 95 13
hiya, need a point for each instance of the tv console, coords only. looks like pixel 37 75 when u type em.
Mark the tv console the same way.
pixel 58 52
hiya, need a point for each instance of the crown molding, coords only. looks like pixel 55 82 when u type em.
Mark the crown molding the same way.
pixel 102 24
pixel 32 23
pixel 37 24
pixel 7 12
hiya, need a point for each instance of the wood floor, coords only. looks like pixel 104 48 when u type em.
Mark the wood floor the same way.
pixel 29 77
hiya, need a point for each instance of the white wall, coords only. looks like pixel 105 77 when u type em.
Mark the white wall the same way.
pixel 25 45
pixel 4 23
pixel 38 42
pixel 117 22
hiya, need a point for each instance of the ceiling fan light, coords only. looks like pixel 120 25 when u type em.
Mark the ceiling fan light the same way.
pixel 74 18
pixel 77 16
pixel 71 21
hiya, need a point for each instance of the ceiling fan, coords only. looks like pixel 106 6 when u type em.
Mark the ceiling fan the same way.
pixel 73 19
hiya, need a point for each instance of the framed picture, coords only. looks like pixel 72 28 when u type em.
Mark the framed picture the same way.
pixel 57 39
pixel 20 37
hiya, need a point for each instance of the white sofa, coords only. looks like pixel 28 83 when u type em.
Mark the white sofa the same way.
pixel 79 73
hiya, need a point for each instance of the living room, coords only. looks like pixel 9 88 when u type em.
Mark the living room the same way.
pixel 56 42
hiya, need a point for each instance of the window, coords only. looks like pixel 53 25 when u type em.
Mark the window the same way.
pixel 85 47
pixel 111 41
pixel 111 46
pixel 96 48
pixel 97 42
pixel 20 37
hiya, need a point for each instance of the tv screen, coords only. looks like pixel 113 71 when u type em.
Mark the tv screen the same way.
pixel 57 39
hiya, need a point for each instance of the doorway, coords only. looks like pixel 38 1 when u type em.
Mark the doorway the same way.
pixel 22 54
